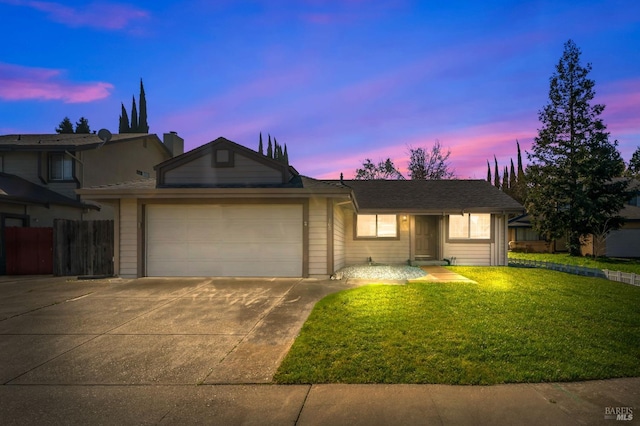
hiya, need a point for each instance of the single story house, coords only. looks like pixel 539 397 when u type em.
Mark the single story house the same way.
pixel 225 210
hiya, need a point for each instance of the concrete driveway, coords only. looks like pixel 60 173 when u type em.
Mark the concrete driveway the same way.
pixel 150 331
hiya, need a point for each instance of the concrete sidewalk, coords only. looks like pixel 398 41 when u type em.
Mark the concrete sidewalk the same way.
pixel 532 404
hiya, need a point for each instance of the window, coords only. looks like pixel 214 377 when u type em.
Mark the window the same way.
pixel 376 226
pixel 60 167
pixel 223 158
pixel 470 226
pixel 527 234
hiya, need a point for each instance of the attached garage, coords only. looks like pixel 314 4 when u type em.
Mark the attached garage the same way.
pixel 624 243
pixel 240 240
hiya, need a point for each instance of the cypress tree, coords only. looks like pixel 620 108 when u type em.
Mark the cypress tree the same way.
pixel 488 172
pixel 286 155
pixel 143 126
pixel 513 181
pixel 505 180
pixel 124 127
pixel 260 148
pixel 270 148
pixel 496 177
pixel 520 169
pixel 134 116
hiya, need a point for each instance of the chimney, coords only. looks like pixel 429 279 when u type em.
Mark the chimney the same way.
pixel 174 142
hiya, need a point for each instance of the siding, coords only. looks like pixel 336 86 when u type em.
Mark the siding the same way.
pixel 120 161
pixel 23 164
pixel 129 238
pixel 382 251
pixel 339 255
pixel 469 253
pixel 318 236
pixel 201 171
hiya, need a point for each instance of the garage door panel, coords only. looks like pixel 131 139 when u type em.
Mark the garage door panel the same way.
pixel 224 240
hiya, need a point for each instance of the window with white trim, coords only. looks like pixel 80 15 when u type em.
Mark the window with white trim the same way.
pixel 470 226
pixel 60 167
pixel 376 226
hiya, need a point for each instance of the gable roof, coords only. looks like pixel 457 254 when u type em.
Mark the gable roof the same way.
pixel 67 141
pixel 14 189
pixel 290 176
pixel 429 196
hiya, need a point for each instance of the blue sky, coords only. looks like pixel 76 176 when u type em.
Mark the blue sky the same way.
pixel 336 81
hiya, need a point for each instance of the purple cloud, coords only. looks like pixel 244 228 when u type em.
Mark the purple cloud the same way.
pixel 19 83
pixel 110 16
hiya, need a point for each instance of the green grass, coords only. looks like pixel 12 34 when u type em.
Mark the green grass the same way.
pixel 516 325
pixel 614 264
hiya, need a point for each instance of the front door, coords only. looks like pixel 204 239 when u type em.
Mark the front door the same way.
pixel 425 237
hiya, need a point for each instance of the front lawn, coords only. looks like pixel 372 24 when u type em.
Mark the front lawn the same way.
pixel 515 325
pixel 613 264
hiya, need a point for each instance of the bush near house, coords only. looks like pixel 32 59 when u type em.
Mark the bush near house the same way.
pixel 515 325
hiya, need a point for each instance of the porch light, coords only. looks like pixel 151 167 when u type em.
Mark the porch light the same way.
pixel 404 217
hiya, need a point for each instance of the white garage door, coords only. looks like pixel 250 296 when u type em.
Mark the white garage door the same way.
pixel 224 240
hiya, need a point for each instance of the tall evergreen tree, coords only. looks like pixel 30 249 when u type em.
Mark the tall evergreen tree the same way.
pixel 143 126
pixel 496 176
pixel 513 180
pixel 260 148
pixel 135 128
pixel 65 126
pixel 286 155
pixel 124 126
pixel 488 172
pixel 269 148
pixel 505 180
pixel 572 164
pixel 520 168
pixel 82 126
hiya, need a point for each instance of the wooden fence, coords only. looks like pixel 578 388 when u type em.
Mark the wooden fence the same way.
pixel 83 247
pixel 623 277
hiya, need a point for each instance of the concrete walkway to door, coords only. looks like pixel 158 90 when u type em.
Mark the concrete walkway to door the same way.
pixel 438 273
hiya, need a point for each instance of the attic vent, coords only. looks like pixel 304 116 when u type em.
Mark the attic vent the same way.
pixel 223 158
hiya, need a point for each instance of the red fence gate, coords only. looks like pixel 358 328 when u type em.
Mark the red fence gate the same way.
pixel 29 251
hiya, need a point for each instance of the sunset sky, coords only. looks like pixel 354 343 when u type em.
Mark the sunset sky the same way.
pixel 336 81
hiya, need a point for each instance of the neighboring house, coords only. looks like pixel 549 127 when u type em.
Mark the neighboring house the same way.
pixel 39 174
pixel 225 210
pixel 624 242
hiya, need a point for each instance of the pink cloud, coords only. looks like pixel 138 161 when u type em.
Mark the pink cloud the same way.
pixel 110 16
pixel 25 83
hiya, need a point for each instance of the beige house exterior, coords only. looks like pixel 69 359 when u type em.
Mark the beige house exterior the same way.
pixel 39 173
pixel 225 210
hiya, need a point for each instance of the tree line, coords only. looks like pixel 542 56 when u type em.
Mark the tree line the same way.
pixel 424 164
pixel 137 123
pixel 274 151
